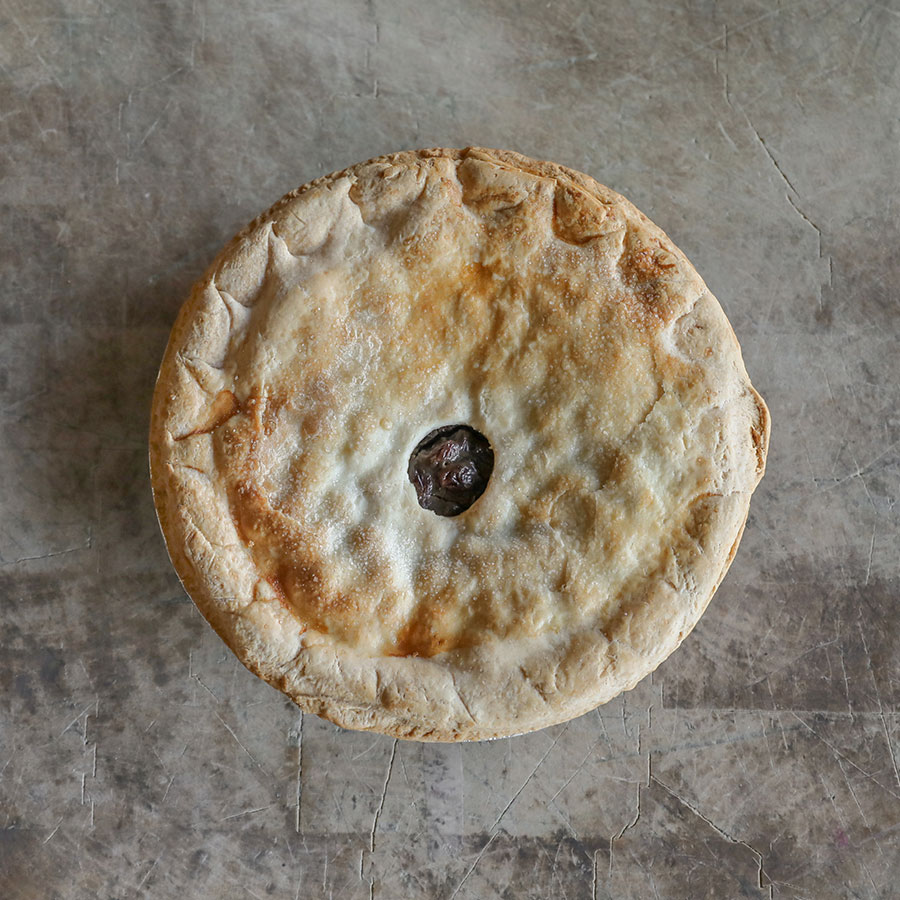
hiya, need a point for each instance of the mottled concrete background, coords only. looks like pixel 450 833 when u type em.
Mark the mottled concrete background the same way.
pixel 139 759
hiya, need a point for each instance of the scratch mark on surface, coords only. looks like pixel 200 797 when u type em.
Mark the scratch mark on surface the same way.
pixel 494 830
pixel 405 775
pixel 247 812
pixel 726 135
pixel 768 152
pixel 776 710
pixel 865 822
pixel 634 821
pixel 55 829
pixel 567 822
pixel 299 773
pixel 565 63
pixel 156 121
pixel 570 61
pixel 528 779
pixel 765 734
pixel 856 801
pixel 844 673
pixel 787 181
pixel 831 794
pixel 481 853
pixel 760 646
pixel 147 875
pixel 387 779
pixel 605 732
pixel 860 470
pixel 121 108
pixel 887 737
pixel 157 81
pixel 808 221
pixel 890 745
pixel 625 724
pixel 721 832
pixel 792 662
pixel 165 767
pixel 76 719
pixel 238 741
pixel 85 546
pixel 871 553
pixel 578 768
pixel 838 755
pixel 363 753
pixel 208 690
pixel 30 42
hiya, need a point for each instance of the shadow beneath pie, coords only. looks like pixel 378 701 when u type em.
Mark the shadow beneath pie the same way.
pixel 75 441
pixel 91 597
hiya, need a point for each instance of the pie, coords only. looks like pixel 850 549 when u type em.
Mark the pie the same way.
pixel 453 444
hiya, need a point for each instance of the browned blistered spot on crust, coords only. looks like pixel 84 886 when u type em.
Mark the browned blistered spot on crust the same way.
pixel 646 264
pixel 299 584
pixel 699 515
pixel 274 405
pixel 477 278
pixel 760 433
pixel 417 640
pixel 276 585
pixel 306 592
pixel 426 633
pixel 438 625
pixel 221 410
pixel 578 218
pixel 646 274
pixel 646 268
pixel 263 407
pixel 490 187
pixel 544 503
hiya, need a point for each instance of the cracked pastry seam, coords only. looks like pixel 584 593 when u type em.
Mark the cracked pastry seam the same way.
pixel 418 291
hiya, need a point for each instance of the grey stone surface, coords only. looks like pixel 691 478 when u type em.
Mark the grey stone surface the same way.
pixel 138 758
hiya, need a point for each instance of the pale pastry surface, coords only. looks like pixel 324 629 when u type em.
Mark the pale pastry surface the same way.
pixel 436 288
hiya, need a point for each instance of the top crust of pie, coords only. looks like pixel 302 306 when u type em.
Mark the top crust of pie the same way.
pixel 436 288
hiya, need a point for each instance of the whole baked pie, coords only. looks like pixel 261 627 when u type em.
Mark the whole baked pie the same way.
pixel 453 444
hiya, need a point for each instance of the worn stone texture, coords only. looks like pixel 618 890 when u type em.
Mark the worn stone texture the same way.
pixel 138 758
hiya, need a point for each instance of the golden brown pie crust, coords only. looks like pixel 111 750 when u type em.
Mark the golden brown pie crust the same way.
pixel 428 289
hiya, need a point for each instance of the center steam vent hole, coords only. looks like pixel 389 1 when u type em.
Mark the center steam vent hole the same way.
pixel 450 468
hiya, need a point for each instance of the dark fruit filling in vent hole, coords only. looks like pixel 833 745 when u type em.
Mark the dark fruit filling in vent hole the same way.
pixel 450 468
